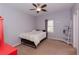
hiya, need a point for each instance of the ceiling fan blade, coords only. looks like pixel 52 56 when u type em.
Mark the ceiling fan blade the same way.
pixel 43 6
pixel 38 4
pixel 34 5
pixel 32 9
pixel 44 10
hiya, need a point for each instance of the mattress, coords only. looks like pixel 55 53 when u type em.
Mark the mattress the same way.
pixel 34 36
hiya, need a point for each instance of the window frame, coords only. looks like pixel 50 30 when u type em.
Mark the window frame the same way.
pixel 50 26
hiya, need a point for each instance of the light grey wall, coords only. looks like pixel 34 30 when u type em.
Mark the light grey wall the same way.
pixel 61 19
pixel 15 22
pixel 78 27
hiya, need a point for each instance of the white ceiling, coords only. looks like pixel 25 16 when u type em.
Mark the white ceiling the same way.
pixel 51 7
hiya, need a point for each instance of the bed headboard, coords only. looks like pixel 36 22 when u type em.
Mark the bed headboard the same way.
pixel 46 27
pixel 44 30
pixel 40 30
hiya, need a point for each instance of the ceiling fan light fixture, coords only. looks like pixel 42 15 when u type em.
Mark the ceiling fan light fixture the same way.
pixel 38 9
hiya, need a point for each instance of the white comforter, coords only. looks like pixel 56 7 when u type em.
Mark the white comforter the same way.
pixel 35 36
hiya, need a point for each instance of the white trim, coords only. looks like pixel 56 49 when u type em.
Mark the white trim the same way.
pixel 61 39
pixel 16 44
pixel 57 38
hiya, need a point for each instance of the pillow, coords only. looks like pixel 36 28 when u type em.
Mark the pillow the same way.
pixel 37 30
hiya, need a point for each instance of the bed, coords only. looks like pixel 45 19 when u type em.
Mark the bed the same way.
pixel 33 38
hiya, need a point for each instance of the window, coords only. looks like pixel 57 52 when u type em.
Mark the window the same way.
pixel 50 26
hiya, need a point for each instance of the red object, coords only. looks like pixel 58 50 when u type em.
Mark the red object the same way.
pixel 1 32
pixel 5 49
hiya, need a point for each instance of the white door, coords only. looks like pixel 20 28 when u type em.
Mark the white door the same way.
pixel 75 30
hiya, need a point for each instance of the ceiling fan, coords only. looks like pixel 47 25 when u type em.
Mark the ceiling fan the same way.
pixel 39 7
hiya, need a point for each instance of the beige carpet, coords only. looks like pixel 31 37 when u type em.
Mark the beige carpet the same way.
pixel 47 47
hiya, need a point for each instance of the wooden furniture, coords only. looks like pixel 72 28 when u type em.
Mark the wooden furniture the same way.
pixel 5 49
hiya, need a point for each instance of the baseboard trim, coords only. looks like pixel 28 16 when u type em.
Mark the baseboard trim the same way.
pixel 16 44
pixel 61 39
